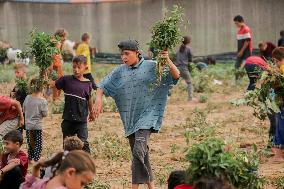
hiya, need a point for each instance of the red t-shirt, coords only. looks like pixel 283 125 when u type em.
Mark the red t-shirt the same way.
pixel 7 111
pixel 183 186
pixel 24 162
pixel 245 34
pixel 256 60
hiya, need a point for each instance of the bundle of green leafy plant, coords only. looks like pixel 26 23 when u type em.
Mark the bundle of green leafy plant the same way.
pixel 267 98
pixel 166 34
pixel 3 54
pixel 209 159
pixel 22 85
pixel 42 47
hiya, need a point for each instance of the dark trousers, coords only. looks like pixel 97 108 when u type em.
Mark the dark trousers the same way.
pixel 12 179
pixel 90 77
pixel 79 129
pixel 253 72
pixel 278 139
pixel 34 140
pixel 141 167
pixel 273 122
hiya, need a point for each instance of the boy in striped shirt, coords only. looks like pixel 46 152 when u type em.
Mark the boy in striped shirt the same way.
pixel 244 38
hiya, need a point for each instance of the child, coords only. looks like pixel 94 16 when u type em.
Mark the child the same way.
pixel 244 38
pixel 75 170
pixel 14 162
pixel 11 115
pixel 70 144
pixel 78 100
pixel 183 58
pixel 265 49
pixel 84 49
pixel 20 73
pixel 278 140
pixel 35 108
pixel 57 59
pixel 177 179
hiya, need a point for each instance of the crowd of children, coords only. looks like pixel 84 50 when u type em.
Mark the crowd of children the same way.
pixel 74 167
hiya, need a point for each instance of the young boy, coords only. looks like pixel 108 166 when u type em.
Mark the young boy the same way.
pixel 35 108
pixel 84 49
pixel 20 73
pixel 14 163
pixel 11 115
pixel 278 140
pixel 78 101
pixel 244 38
pixel 141 108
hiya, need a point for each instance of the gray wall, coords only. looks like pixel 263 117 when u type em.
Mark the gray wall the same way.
pixel 211 25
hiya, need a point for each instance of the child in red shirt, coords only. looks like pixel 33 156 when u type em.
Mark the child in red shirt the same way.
pixel 14 162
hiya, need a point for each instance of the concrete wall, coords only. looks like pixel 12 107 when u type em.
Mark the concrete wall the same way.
pixel 211 25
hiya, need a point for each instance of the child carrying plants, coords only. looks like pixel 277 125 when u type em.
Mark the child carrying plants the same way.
pixel 278 140
pixel 84 49
pixel 20 90
pixel 35 108
pixel 74 170
pixel 78 101
pixel 57 59
pixel 14 162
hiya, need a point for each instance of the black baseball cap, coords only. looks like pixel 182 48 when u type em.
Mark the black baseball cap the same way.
pixel 131 45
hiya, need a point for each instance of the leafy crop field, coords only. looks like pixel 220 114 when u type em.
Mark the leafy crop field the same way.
pixel 185 123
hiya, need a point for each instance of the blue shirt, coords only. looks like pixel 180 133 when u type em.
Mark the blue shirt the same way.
pixel 140 104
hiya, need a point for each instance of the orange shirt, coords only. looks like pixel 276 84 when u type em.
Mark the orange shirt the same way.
pixel 57 62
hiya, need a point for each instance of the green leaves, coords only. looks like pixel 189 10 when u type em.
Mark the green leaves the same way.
pixel 166 34
pixel 209 159
pixel 22 85
pixel 42 47
pixel 268 97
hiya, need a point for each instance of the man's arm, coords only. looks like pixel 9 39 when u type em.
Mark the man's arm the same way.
pixel 98 108
pixel 173 69
pixel 18 107
pixel 246 44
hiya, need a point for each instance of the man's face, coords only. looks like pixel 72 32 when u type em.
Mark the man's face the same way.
pixel 238 24
pixel 20 73
pixel 129 58
pixel 79 69
pixel 10 146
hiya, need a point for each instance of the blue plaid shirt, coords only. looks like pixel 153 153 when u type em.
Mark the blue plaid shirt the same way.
pixel 141 105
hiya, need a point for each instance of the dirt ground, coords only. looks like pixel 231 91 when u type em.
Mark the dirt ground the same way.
pixel 236 126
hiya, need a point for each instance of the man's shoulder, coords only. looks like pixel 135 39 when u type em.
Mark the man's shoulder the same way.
pixel 22 154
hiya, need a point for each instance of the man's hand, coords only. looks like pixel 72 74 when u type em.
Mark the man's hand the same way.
pixel 98 108
pixel 91 116
pixel 165 54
